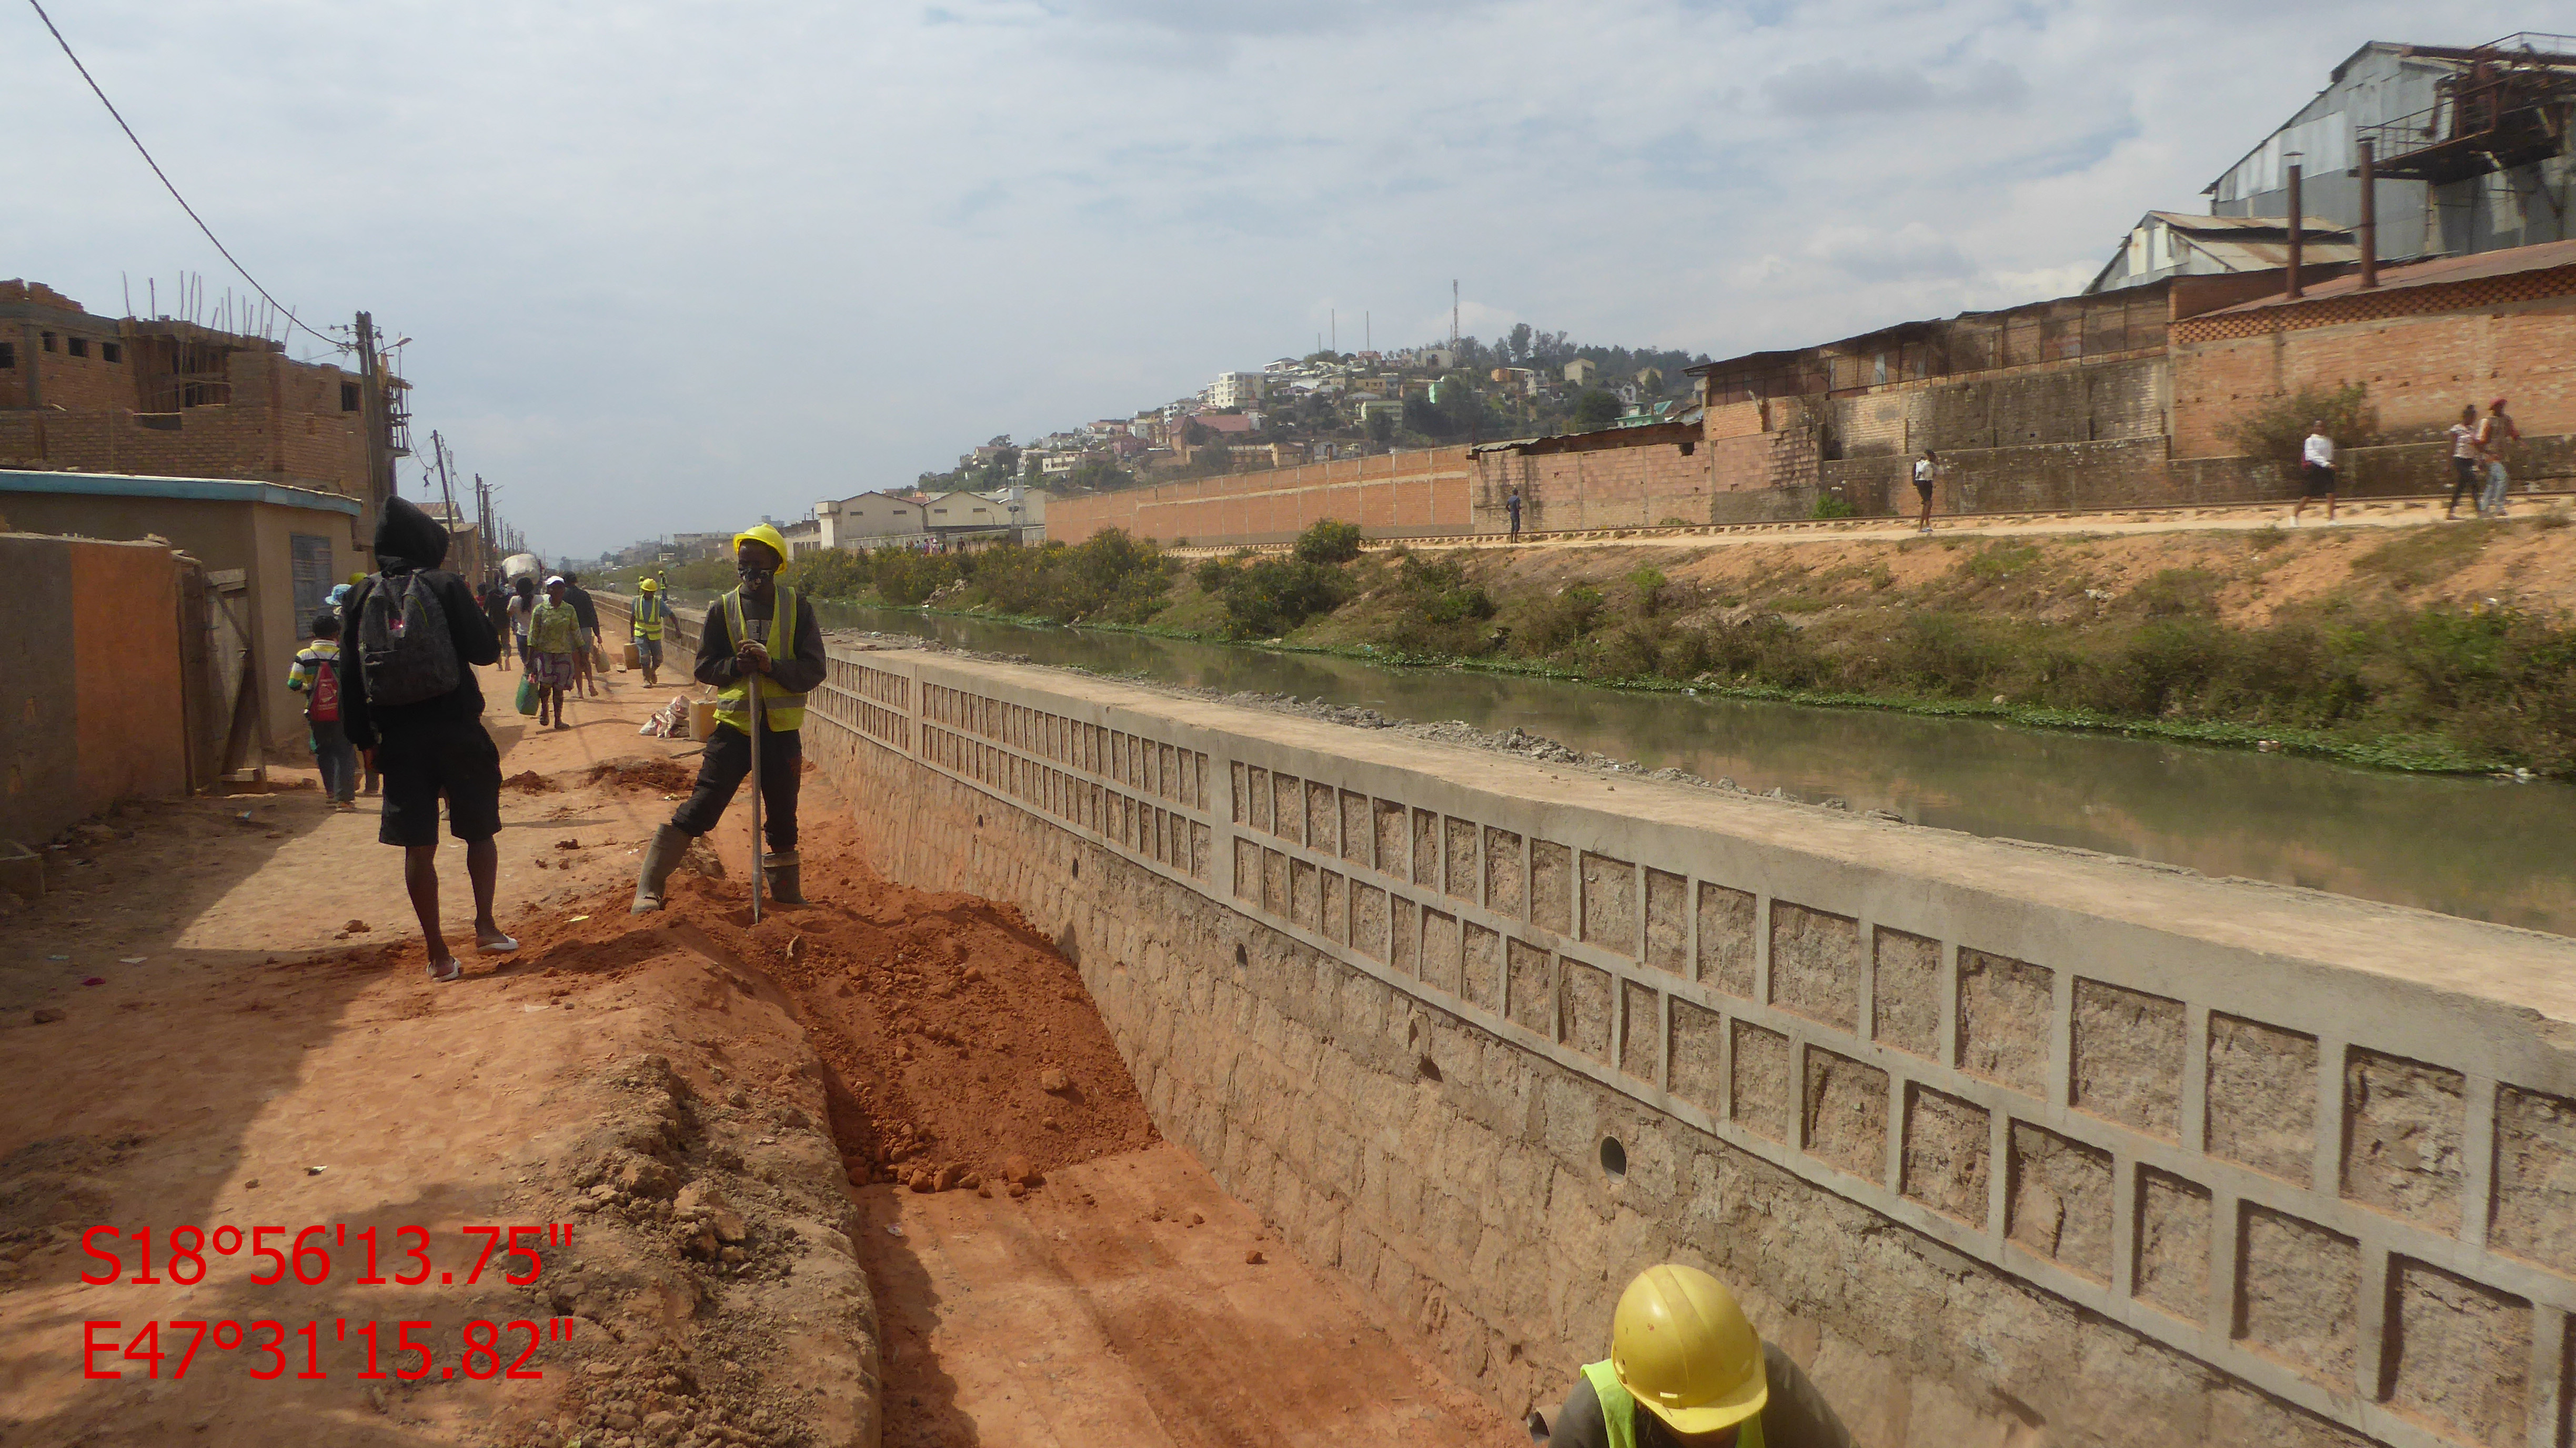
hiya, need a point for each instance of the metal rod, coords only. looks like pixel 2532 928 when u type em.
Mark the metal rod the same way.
pixel 754 691
pixel 2369 216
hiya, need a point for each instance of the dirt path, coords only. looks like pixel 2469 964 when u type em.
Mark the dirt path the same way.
pixel 695 1107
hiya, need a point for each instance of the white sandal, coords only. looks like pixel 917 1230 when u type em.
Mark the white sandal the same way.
pixel 446 970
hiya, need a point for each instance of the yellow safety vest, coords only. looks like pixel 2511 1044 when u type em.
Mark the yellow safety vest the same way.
pixel 779 709
pixel 650 610
pixel 1619 1409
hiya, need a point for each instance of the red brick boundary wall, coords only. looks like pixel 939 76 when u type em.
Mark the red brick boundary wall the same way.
pixel 1393 495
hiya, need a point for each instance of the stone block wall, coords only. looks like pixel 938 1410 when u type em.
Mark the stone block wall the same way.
pixel 1999 1141
pixel 1391 495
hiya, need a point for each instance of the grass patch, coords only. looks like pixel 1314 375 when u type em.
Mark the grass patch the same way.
pixel 2418 556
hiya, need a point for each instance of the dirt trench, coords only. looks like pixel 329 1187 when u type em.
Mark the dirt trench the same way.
pixel 1047 1269
pixel 887 1133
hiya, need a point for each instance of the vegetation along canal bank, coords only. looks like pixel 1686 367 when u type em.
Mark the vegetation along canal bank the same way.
pixel 2442 647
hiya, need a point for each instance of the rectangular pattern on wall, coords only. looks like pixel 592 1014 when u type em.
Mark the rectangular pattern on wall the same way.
pixel 2385 1240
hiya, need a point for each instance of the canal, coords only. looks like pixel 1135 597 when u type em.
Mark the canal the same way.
pixel 2475 847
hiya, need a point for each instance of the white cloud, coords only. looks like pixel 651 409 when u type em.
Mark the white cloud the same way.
pixel 671 263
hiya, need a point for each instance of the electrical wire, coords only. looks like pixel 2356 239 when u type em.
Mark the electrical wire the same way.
pixel 287 311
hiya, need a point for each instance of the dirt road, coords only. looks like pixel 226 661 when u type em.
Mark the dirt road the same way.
pixel 219 1015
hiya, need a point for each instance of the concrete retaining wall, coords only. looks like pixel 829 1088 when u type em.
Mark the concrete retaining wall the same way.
pixel 1999 1140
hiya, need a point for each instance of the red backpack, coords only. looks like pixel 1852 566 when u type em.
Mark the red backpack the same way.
pixel 325 708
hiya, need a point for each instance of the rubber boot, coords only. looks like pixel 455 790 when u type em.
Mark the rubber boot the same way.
pixel 670 843
pixel 779 869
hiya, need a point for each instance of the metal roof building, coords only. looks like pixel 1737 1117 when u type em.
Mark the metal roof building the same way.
pixel 2178 244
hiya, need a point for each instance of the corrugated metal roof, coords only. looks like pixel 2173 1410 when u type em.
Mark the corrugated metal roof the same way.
pixel 2194 222
pixel 204 490
pixel 2547 256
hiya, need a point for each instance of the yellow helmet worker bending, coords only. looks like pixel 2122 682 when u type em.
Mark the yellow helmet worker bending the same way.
pixel 1687 1371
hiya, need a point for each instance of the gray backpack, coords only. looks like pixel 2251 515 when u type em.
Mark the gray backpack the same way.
pixel 403 643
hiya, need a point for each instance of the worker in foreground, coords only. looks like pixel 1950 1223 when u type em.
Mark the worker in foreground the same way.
pixel 1687 1371
pixel 651 613
pixel 760 635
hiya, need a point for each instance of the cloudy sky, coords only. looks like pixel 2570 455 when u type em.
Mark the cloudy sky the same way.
pixel 668 266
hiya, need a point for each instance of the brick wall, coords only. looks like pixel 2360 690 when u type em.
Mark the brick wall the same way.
pixel 1619 478
pixel 235 440
pixel 2420 369
pixel 1392 495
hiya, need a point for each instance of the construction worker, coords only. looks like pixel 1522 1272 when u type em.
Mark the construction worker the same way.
pixel 761 634
pixel 1681 1350
pixel 651 613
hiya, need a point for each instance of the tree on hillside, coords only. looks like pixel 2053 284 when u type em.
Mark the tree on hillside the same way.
pixel 1596 409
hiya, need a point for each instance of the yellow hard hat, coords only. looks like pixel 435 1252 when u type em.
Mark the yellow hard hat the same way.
pixel 765 535
pixel 1682 1348
pixel 648 585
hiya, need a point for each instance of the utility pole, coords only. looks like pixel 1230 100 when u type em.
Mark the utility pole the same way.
pixel 1453 314
pixel 372 416
pixel 2295 290
pixel 446 489
pixel 2369 216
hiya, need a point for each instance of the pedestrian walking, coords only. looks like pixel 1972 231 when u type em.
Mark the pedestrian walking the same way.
pixel 587 659
pixel 523 607
pixel 1927 471
pixel 413 699
pixel 554 636
pixel 2464 461
pixel 2316 471
pixel 652 614
pixel 760 635
pixel 2496 436
pixel 316 675
pixel 496 612
pixel 1513 507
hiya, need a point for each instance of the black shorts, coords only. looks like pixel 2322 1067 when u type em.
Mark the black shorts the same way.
pixel 424 763
pixel 2316 482
pixel 1924 488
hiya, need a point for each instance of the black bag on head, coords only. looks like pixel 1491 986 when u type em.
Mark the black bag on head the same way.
pixel 403 642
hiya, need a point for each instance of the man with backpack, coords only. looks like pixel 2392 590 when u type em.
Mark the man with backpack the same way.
pixel 316 676
pixel 414 637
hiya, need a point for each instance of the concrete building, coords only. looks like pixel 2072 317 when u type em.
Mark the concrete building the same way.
pixel 868 520
pixel 2471 146
pixel 1234 389
pixel 1580 371
pixel 164 398
pixel 288 545
pixel 949 515
pixel 2167 244
pixel 802 537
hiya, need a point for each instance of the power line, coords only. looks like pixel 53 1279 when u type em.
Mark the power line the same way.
pixel 166 183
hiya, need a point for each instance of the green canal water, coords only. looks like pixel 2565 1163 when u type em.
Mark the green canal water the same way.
pixel 2474 847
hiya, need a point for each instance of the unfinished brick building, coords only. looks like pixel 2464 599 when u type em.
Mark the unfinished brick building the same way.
pixel 167 398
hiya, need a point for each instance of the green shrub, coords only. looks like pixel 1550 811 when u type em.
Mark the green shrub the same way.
pixel 829 573
pixel 1111 577
pixel 1271 596
pixel 1563 619
pixel 2276 430
pixel 1648 583
pixel 906 576
pixel 1831 505
pixel 1328 542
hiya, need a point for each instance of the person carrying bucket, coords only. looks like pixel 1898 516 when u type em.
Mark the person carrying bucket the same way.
pixel 762 635
pixel 652 613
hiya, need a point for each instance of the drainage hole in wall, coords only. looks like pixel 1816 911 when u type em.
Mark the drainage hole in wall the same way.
pixel 1430 1069
pixel 1614 1157
pixel 1077 869
pixel 979 822
pixel 1240 959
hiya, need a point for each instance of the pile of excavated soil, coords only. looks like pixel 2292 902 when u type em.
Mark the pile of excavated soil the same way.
pixel 964 1050
pixel 531 782
pixel 659 776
